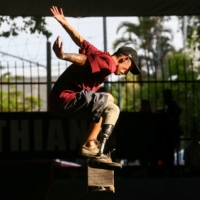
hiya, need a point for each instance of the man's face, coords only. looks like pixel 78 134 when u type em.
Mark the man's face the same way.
pixel 124 66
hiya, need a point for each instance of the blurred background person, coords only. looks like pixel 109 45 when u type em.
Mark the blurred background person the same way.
pixel 168 130
pixel 192 154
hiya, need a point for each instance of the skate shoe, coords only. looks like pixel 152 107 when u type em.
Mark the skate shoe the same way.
pixel 103 161
pixel 89 152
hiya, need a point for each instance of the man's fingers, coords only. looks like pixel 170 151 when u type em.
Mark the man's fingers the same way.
pixel 53 10
pixel 56 11
pixel 58 43
pixel 61 11
pixel 58 40
pixel 61 45
pixel 57 47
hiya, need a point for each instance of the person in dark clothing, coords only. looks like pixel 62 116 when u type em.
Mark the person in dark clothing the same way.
pixel 192 154
pixel 168 129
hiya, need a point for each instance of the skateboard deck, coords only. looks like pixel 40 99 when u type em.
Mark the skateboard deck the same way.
pixel 100 180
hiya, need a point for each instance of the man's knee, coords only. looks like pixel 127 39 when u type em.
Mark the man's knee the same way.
pixel 110 113
pixel 116 109
pixel 110 97
pixel 112 107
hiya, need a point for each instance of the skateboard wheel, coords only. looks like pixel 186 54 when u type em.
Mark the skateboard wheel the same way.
pixel 112 189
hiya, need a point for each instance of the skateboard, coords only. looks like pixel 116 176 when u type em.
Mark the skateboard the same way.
pixel 100 180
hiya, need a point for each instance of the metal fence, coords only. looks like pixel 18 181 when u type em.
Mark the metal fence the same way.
pixel 178 75
pixel 24 88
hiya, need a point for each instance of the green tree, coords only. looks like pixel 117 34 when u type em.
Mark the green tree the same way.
pixel 192 25
pixel 13 100
pixel 30 25
pixel 148 35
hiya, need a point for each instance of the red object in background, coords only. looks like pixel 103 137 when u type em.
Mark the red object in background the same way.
pixel 160 163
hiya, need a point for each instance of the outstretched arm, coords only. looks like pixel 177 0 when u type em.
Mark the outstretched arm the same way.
pixel 78 59
pixel 59 16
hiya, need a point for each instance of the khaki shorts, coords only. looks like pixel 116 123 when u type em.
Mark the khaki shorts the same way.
pixel 88 106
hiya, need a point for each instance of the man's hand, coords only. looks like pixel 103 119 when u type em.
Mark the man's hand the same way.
pixel 58 15
pixel 78 59
pixel 57 47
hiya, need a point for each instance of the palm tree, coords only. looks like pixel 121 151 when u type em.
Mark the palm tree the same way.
pixel 148 35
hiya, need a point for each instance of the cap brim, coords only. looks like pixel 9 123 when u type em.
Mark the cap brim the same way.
pixel 135 70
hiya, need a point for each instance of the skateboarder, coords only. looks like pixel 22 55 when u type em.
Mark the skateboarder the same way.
pixel 74 94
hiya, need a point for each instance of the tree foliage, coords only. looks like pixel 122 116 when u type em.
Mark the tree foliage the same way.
pixel 16 101
pixel 30 25
pixel 148 35
pixel 192 25
pixel 13 100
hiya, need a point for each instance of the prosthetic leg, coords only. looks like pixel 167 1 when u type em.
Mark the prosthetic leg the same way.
pixel 107 130
pixel 101 160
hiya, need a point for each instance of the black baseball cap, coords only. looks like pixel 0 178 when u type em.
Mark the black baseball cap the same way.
pixel 132 54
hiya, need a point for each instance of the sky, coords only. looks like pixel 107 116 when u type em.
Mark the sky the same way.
pixel 33 47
